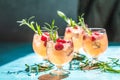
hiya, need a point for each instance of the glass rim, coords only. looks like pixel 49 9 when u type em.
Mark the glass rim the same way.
pixel 102 29
pixel 96 28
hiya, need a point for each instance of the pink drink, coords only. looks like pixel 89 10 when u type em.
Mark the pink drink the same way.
pixel 39 44
pixel 76 34
pixel 96 43
pixel 60 52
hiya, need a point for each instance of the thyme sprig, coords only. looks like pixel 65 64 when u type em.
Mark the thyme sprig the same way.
pixel 52 29
pixel 69 21
pixel 31 24
pixel 83 25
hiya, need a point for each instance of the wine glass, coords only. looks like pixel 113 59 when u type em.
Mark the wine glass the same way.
pixel 95 43
pixel 39 43
pixel 39 46
pixel 77 39
pixel 76 33
pixel 59 53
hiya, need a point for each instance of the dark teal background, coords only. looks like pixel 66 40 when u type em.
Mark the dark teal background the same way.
pixel 44 11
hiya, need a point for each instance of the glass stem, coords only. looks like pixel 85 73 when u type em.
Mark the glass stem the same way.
pixel 59 68
pixel 94 60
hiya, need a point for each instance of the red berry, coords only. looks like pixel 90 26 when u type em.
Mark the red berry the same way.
pixel 46 33
pixel 93 38
pixel 59 46
pixel 75 27
pixel 96 33
pixel 68 30
pixel 43 38
pixel 61 40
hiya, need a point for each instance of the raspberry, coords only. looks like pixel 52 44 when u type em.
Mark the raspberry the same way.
pixel 93 38
pixel 75 27
pixel 96 33
pixel 46 33
pixel 59 46
pixel 68 30
pixel 61 40
pixel 43 38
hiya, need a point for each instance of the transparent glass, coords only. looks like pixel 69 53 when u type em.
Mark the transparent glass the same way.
pixel 96 43
pixel 39 46
pixel 76 34
pixel 60 53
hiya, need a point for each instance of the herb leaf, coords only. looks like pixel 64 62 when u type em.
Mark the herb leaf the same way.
pixel 62 15
pixel 83 25
pixel 31 24
pixel 69 21
pixel 52 29
pixel 108 66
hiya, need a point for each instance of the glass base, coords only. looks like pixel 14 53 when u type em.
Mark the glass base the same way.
pixel 60 73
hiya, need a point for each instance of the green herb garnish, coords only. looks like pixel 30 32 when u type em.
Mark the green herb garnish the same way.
pixel 114 62
pixel 41 67
pixel 52 29
pixel 83 25
pixel 31 24
pixel 69 21
pixel 108 66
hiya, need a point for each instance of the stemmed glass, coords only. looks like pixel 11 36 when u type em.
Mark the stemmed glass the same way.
pixel 40 45
pixel 76 33
pixel 73 30
pixel 40 48
pixel 40 39
pixel 59 53
pixel 95 43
